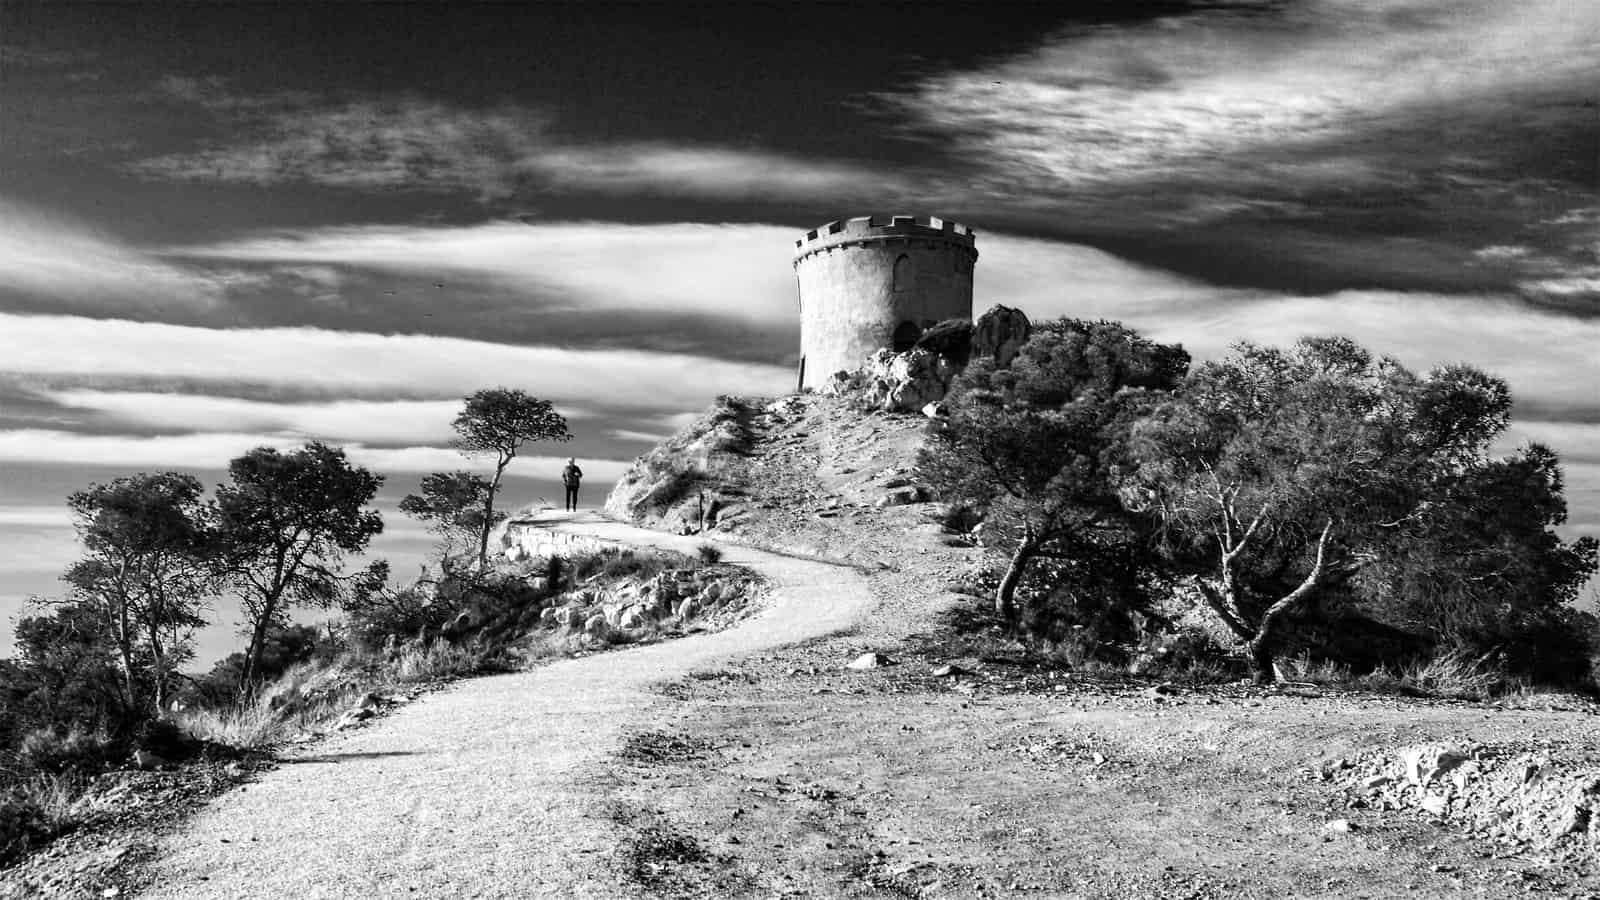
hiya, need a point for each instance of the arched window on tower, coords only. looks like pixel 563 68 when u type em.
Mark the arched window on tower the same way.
pixel 905 336
pixel 903 276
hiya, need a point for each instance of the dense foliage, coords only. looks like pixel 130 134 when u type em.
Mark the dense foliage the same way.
pixel 1036 446
pixel 1280 473
pixel 285 522
pixel 1266 486
pixel 455 506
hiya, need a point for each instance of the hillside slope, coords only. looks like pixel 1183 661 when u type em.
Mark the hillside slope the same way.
pixel 958 766
pixel 809 474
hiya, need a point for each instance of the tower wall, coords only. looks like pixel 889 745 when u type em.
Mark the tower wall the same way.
pixel 869 281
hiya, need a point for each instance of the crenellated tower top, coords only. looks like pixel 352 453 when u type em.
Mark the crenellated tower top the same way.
pixel 865 230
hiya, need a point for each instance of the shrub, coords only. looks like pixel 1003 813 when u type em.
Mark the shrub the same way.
pixel 441 660
pixel 415 612
pixel 73 750
pixel 1456 674
pixel 164 738
pixel 1187 654
pixel 35 810
pixel 241 725
pixel 710 554
pixel 615 564
pixel 960 518
pixel 673 488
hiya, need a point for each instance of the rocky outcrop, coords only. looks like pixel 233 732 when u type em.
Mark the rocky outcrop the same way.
pixel 668 600
pixel 1521 794
pixel 999 333
pixel 920 377
pixel 906 382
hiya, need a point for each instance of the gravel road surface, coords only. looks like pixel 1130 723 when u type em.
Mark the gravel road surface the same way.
pixel 483 790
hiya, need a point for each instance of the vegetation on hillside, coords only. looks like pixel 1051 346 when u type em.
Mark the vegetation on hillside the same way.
pixel 1296 496
pixel 660 485
pixel 97 677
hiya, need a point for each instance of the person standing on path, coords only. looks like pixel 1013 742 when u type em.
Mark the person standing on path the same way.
pixel 571 476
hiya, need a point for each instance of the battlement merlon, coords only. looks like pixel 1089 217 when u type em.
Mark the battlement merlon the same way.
pixel 873 229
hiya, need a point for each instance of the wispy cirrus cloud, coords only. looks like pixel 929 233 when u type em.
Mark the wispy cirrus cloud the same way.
pixel 1355 142
pixel 212 450
pixel 721 173
pixel 413 143
pixel 353 363
pixel 596 266
pixel 405 143
pixel 380 422
pixel 49 263
pixel 1204 92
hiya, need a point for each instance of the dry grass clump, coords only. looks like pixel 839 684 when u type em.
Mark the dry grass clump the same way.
pixel 37 809
pixel 1453 674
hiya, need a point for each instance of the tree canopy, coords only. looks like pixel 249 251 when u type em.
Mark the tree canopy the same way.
pixel 1033 445
pixel 499 421
pixel 453 505
pixel 1278 472
pixel 144 571
pixel 285 522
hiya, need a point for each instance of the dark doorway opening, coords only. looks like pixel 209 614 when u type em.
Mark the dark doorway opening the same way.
pixel 905 336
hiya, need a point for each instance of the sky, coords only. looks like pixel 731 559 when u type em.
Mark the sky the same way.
pixel 224 225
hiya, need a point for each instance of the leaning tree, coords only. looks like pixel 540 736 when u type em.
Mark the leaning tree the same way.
pixel 1033 447
pixel 498 422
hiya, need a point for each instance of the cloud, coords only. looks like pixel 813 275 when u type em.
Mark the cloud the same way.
pixel 587 266
pixel 359 364
pixel 648 437
pixel 1052 278
pixel 34 516
pixel 47 263
pixel 213 450
pixel 717 173
pixel 387 422
pixel 28 56
pixel 403 142
pixel 413 143
pixel 1365 143
pixel 1120 104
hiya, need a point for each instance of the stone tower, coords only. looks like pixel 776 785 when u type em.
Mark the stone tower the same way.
pixel 872 283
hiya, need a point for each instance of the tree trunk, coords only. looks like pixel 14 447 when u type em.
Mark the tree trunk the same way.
pixel 252 658
pixel 1005 595
pixel 158 659
pixel 1261 657
pixel 488 517
pixel 1264 645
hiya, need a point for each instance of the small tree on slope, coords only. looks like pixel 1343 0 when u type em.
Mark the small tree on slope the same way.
pixel 284 524
pixel 499 421
pixel 453 504
pixel 1035 445
pixel 144 572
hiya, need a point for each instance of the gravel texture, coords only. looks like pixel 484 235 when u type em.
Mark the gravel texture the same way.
pixel 484 790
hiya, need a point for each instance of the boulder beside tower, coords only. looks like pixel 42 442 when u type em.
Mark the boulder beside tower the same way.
pixel 872 283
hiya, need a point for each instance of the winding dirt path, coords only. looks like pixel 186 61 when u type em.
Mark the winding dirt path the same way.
pixel 483 790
